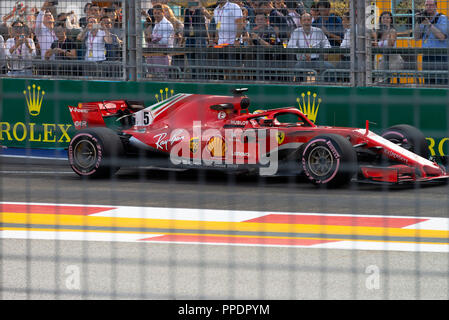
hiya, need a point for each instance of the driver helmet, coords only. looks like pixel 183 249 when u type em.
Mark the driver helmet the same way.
pixel 260 111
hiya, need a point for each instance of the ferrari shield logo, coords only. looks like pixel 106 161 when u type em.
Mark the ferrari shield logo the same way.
pixel 280 137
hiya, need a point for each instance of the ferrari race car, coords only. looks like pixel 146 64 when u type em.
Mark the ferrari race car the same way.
pixel 218 132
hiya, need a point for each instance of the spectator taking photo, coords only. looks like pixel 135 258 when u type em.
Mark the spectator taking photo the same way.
pixel 20 50
pixel 45 24
pixel 95 40
pixel 432 30
pixel 62 48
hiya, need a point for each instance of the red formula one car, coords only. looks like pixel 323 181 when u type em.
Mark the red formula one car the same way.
pixel 209 131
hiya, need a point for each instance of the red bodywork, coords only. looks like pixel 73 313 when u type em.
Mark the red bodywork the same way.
pixel 184 121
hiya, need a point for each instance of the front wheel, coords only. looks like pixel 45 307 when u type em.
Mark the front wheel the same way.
pixel 408 137
pixel 95 152
pixel 329 160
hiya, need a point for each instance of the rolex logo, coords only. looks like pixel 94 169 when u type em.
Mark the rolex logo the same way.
pixel 34 99
pixel 308 107
pixel 164 94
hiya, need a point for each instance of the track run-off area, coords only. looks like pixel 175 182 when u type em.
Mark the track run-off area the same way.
pixel 48 221
pixel 207 235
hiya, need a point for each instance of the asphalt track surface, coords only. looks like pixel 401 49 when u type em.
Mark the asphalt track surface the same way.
pixel 41 268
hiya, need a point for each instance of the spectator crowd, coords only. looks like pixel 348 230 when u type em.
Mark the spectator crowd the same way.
pixel 55 37
pixel 47 40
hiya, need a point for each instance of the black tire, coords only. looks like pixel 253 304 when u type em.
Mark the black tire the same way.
pixel 408 137
pixel 95 152
pixel 329 160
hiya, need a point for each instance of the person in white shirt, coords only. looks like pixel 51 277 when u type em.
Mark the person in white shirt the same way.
pixel 228 18
pixel 45 24
pixel 95 41
pixel 20 50
pixel 309 37
pixel 346 21
pixel 163 35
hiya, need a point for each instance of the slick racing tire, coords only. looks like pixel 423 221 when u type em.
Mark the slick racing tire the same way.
pixel 329 160
pixel 95 152
pixel 409 138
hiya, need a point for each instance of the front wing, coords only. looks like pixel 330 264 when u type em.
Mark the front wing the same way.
pixel 398 174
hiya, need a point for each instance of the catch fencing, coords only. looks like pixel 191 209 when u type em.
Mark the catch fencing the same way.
pixel 393 43
pixel 146 233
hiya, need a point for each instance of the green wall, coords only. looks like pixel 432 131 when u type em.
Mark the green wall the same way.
pixel 340 106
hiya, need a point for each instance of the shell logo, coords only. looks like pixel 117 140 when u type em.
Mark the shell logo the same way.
pixel 217 147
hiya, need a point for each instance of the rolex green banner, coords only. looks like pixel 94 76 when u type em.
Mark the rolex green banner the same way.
pixel 35 114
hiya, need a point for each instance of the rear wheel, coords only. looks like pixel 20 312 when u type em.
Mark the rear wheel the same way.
pixel 95 152
pixel 408 137
pixel 329 160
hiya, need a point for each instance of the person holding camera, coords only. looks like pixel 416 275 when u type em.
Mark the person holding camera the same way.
pixel 432 30
pixel 20 50
pixel 61 49
pixel 262 34
pixel 95 39
pixel 45 24
pixel 113 49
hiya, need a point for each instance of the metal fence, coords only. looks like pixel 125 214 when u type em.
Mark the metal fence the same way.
pixel 67 39
pixel 186 234
pixel 394 43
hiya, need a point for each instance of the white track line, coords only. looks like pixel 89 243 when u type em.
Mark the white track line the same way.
pixel 222 216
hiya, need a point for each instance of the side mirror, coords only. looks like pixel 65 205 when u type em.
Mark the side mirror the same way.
pixel 239 92
pixel 222 107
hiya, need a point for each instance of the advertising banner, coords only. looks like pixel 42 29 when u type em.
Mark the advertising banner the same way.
pixel 35 114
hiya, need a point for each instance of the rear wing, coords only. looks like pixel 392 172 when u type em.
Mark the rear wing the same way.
pixel 104 113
